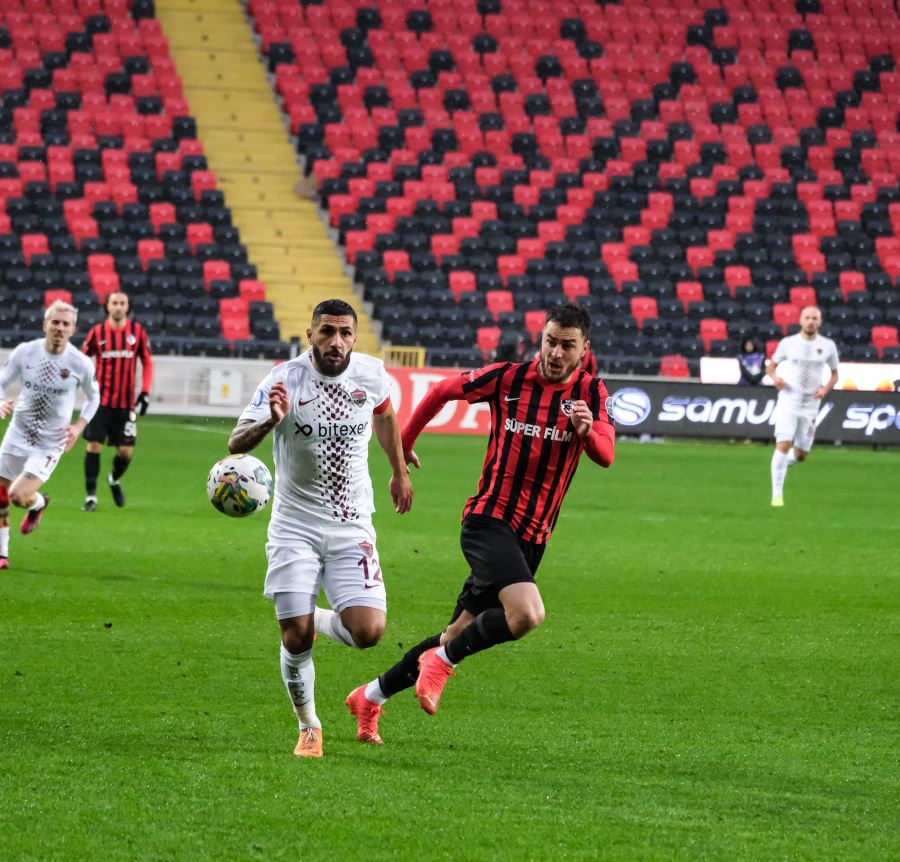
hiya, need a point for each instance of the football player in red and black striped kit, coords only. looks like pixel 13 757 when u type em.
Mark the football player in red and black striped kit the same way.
pixel 544 414
pixel 116 345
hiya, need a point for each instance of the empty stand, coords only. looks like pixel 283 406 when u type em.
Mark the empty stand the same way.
pixel 692 173
pixel 103 182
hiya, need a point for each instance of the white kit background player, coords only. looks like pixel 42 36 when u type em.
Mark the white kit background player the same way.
pixel 49 370
pixel 322 407
pixel 797 369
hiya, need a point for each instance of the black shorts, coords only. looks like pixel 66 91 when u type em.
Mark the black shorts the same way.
pixel 498 558
pixel 115 425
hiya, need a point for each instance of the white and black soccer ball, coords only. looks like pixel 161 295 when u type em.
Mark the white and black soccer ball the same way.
pixel 239 485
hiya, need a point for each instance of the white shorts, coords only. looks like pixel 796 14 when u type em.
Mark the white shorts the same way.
pixel 792 426
pixel 340 558
pixel 40 462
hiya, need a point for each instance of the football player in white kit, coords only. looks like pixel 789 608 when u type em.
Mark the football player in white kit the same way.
pixel 49 370
pixel 322 407
pixel 797 368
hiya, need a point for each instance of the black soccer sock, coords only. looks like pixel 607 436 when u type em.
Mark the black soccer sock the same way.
pixel 488 629
pixel 91 472
pixel 120 465
pixel 403 675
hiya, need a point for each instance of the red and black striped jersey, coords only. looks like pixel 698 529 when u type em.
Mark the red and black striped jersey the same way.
pixel 115 352
pixel 533 449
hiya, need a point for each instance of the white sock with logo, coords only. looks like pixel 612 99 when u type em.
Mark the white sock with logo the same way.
pixel 39 503
pixel 4 541
pixel 328 624
pixel 299 675
pixel 779 469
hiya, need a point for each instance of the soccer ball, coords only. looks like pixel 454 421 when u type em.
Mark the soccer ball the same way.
pixel 239 485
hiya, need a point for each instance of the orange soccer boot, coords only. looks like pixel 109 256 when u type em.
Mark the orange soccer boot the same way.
pixel 433 675
pixel 310 742
pixel 366 713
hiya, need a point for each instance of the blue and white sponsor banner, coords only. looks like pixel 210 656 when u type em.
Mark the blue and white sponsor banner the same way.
pixel 685 409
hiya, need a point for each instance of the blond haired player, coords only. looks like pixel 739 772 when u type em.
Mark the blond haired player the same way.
pixel 797 368
pixel 50 370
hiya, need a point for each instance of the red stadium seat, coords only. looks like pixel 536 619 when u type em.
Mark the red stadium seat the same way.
pixel 32 244
pixel 785 314
pixel 498 302
pixel 674 365
pixel 850 282
pixel 884 336
pixel 461 282
pixel 252 290
pixel 803 296
pixel 487 339
pixel 534 324
pixel 51 296
pixel 643 307
pixel 688 292
pixel 575 286
pixel 215 270
pixel 712 329
pixel 150 249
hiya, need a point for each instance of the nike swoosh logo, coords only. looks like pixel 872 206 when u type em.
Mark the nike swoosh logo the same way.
pixel 370 586
pixel 507 398
pixel 308 400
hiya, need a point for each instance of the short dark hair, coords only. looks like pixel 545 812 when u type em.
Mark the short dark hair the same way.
pixel 108 295
pixel 571 315
pixel 334 307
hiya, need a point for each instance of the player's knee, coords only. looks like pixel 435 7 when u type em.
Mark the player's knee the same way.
pixel 367 634
pixel 297 638
pixel 800 455
pixel 523 620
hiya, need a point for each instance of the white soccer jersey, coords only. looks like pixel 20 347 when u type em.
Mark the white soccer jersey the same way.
pixel 801 364
pixel 44 406
pixel 321 447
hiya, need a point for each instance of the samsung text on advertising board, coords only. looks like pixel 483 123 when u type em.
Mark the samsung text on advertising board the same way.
pixel 728 411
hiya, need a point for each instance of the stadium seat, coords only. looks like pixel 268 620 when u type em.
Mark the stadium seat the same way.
pixel 487 339
pixel 884 337
pixel 712 329
pixel 674 365
pixel 785 315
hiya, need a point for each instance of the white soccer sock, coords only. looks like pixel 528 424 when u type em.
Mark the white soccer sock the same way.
pixel 374 693
pixel 299 675
pixel 39 503
pixel 442 654
pixel 328 624
pixel 779 468
pixel 4 541
pixel 791 458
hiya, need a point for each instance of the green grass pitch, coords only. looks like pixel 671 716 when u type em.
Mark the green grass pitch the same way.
pixel 715 679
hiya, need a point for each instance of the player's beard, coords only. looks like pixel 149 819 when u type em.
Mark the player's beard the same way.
pixel 328 365
pixel 558 376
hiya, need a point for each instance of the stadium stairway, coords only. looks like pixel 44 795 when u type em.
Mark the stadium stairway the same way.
pixel 248 149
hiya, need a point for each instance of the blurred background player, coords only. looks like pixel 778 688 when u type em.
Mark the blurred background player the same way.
pixel 544 414
pixel 322 408
pixel 50 369
pixel 796 369
pixel 115 345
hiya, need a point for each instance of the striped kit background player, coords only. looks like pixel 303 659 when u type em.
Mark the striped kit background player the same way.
pixel 116 352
